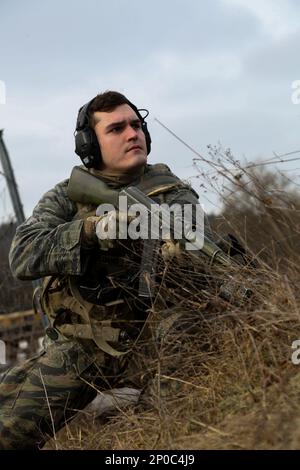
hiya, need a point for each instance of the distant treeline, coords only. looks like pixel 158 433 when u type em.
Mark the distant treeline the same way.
pixel 15 295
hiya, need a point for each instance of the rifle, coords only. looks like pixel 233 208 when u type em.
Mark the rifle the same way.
pixel 88 189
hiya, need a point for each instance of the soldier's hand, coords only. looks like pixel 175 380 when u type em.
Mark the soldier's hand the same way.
pixel 105 229
pixel 89 236
pixel 171 249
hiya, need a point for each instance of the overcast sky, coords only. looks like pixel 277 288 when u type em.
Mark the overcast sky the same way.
pixel 212 71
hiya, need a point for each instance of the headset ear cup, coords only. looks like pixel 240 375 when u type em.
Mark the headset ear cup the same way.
pixel 147 136
pixel 96 150
pixel 86 142
pixel 87 147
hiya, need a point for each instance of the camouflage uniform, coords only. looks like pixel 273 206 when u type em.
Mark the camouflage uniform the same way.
pixel 40 395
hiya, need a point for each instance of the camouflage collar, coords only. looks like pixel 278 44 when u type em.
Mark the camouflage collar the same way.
pixel 117 181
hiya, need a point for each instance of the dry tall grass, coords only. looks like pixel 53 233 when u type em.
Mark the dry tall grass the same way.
pixel 222 373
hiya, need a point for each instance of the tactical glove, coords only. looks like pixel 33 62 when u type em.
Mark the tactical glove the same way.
pixel 88 234
pixel 104 230
pixel 170 249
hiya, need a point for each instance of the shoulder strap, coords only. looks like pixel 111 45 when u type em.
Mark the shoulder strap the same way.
pixel 158 179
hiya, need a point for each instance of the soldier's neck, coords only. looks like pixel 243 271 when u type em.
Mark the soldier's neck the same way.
pixel 118 179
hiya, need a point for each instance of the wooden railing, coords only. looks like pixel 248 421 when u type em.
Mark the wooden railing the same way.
pixel 21 333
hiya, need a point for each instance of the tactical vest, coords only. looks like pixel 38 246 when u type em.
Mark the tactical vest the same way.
pixel 72 315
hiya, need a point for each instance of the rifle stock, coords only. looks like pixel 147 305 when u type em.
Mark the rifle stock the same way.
pixel 87 189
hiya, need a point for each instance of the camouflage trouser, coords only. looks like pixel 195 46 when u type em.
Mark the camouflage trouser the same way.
pixel 40 395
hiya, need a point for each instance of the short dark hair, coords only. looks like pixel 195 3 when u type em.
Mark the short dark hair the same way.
pixel 107 101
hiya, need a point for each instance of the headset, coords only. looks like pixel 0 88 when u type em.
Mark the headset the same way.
pixel 86 142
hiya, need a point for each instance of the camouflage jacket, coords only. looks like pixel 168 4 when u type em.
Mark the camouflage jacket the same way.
pixel 49 242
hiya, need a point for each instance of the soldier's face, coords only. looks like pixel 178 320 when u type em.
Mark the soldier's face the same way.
pixel 121 139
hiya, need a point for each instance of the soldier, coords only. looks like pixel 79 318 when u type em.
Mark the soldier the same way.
pixel 92 317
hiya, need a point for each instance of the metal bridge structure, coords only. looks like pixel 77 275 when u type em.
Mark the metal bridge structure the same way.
pixel 21 331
